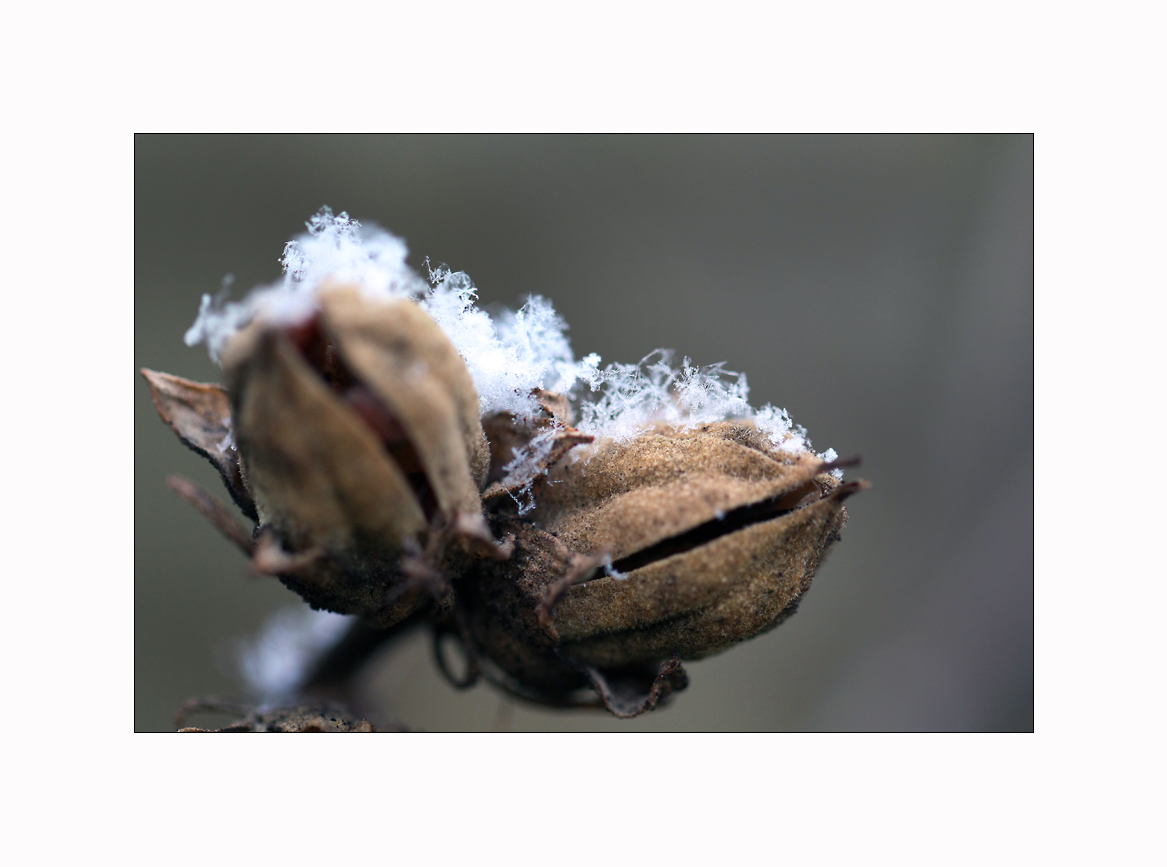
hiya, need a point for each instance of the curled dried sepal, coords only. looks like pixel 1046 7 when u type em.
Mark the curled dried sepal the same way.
pixel 218 514
pixel 629 692
pixel 200 414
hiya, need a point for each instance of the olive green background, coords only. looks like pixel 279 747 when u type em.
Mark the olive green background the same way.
pixel 879 288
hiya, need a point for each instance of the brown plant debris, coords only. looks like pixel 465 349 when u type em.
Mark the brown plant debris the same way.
pixel 298 718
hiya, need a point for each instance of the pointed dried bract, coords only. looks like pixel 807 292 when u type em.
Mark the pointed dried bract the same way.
pixel 200 414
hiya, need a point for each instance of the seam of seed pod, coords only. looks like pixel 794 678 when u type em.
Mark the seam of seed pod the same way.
pixel 668 610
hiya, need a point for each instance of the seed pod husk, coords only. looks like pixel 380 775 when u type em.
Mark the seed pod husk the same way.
pixel 709 536
pixel 359 441
pixel 717 533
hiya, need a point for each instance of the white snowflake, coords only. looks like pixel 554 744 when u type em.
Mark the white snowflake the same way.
pixel 508 354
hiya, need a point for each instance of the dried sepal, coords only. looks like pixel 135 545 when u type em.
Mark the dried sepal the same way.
pixel 217 514
pixel 522 453
pixel 400 354
pixel 512 639
pixel 320 474
pixel 200 414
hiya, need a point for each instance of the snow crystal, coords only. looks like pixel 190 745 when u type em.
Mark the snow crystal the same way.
pixel 831 455
pixel 277 660
pixel 335 246
pixel 611 571
pixel 508 354
pixel 527 464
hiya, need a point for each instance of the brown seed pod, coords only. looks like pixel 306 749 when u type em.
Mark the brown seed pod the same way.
pixel 356 441
pixel 675 545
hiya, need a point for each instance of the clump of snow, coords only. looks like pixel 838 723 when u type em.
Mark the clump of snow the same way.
pixel 611 571
pixel 277 660
pixel 508 354
pixel 828 456
pixel 633 397
pixel 335 246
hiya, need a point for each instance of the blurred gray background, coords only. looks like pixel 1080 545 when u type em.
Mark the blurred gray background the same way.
pixel 879 288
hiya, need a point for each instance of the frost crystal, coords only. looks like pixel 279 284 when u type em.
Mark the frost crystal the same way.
pixel 611 571
pixel 276 661
pixel 527 465
pixel 335 247
pixel 508 354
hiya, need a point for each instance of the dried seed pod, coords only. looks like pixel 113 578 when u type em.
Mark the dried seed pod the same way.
pixel 713 535
pixel 356 445
pixel 706 537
